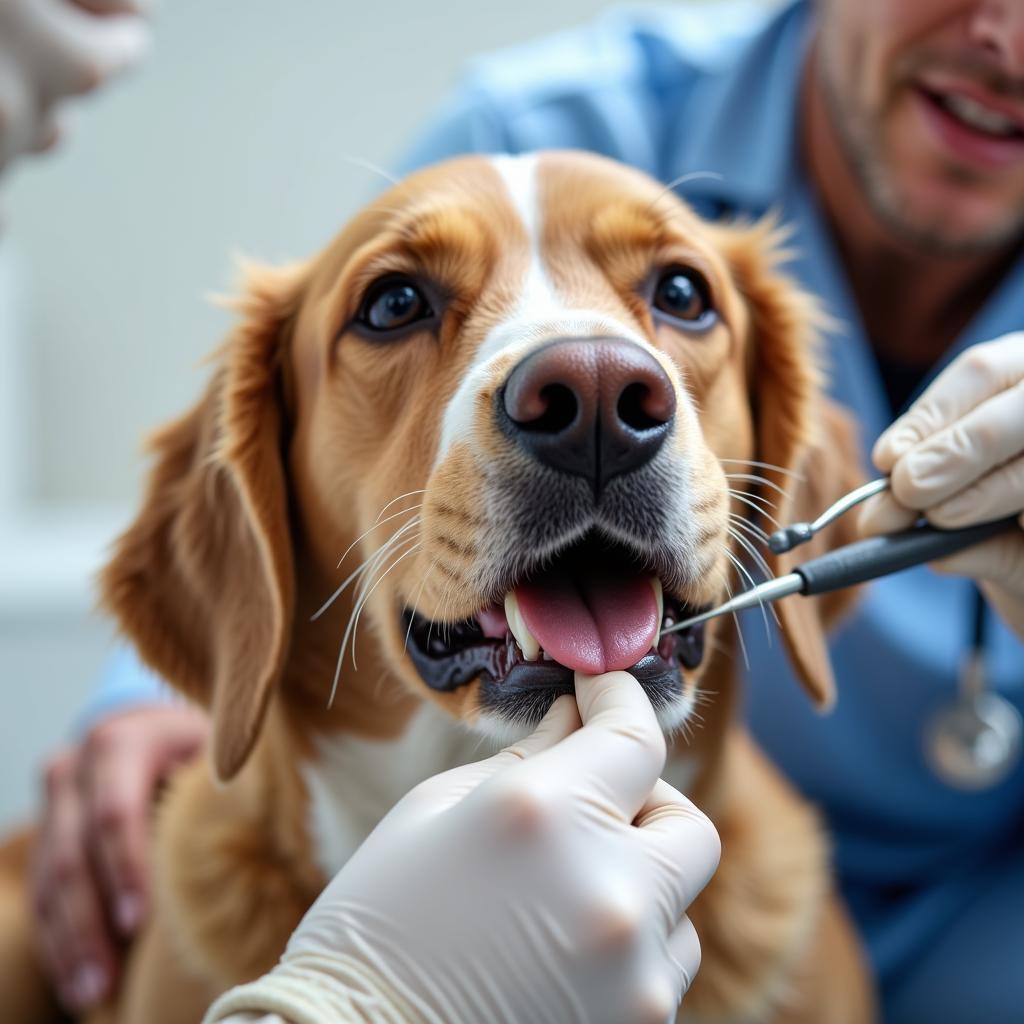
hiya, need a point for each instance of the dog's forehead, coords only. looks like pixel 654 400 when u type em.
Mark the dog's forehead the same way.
pixel 531 230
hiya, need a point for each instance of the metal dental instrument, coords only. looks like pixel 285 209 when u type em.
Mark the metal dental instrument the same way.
pixel 792 536
pixel 858 562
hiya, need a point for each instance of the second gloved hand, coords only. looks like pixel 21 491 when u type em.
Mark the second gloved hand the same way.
pixel 957 456
pixel 53 49
pixel 549 883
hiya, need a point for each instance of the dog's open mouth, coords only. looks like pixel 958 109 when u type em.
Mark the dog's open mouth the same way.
pixel 594 608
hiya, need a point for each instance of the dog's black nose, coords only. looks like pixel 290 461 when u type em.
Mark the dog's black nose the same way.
pixel 593 407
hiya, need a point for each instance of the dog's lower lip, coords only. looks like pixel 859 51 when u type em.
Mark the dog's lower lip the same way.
pixel 448 656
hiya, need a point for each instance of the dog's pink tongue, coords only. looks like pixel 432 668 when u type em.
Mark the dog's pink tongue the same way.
pixel 591 621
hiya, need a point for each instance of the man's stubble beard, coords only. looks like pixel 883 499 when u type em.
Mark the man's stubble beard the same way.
pixel 860 135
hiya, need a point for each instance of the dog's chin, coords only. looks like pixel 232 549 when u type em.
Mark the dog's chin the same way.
pixel 515 692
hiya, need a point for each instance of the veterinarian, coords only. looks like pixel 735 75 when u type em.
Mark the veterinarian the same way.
pixel 890 135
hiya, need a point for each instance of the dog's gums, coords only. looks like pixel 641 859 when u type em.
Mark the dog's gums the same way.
pixel 591 609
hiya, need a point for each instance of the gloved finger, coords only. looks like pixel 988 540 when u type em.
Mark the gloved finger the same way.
pixel 620 746
pixel 957 455
pixel 683 846
pixel 443 791
pixel 684 954
pixel 117 791
pixel 998 560
pixel 80 51
pixel 997 494
pixel 140 7
pixel 47 134
pixel 1008 602
pixel 18 113
pixel 882 513
pixel 975 375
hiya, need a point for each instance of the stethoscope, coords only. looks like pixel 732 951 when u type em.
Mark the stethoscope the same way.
pixel 976 740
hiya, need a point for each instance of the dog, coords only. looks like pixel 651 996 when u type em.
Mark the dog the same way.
pixel 540 410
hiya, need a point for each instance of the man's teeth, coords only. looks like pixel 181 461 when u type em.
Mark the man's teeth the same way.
pixel 976 115
pixel 527 643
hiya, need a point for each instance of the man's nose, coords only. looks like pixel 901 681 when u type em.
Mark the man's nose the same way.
pixel 591 407
pixel 998 27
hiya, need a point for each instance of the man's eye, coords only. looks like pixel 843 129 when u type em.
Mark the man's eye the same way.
pixel 392 304
pixel 684 295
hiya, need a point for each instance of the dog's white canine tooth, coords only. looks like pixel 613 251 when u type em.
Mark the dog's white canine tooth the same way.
pixel 526 640
pixel 659 600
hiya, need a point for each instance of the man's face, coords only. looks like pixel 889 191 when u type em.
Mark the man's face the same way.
pixel 928 98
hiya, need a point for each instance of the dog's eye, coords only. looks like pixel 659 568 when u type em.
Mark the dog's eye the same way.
pixel 684 295
pixel 392 304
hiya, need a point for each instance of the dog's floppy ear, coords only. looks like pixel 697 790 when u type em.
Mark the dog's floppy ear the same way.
pixel 808 445
pixel 202 581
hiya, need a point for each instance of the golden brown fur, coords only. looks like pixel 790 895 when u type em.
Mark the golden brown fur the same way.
pixel 307 431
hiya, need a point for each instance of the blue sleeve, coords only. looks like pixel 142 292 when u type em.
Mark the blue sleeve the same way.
pixel 124 682
pixel 617 85
pixel 468 123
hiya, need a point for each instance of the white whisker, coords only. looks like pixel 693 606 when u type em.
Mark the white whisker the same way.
pixel 408 494
pixel 377 523
pixel 757 508
pixel 754 478
pixel 416 603
pixel 749 548
pixel 353 620
pixel 753 497
pixel 742 570
pixel 358 610
pixel 768 465
pixel 739 628
pixel 753 552
pixel 369 165
pixel 364 566
pixel 752 528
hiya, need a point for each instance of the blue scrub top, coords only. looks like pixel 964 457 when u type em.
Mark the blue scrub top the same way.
pixel 713 90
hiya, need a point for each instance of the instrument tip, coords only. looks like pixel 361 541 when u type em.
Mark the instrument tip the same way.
pixel 789 537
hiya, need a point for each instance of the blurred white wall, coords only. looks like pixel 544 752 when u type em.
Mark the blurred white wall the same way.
pixel 234 137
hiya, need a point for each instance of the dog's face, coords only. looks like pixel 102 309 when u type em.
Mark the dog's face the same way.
pixel 545 360
pixel 520 391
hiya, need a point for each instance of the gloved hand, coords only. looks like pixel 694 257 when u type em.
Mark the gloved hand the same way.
pixel 549 883
pixel 52 49
pixel 957 455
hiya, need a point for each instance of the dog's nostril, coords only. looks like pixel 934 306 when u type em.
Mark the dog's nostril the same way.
pixel 560 409
pixel 591 407
pixel 636 410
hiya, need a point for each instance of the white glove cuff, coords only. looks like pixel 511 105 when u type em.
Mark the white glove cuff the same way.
pixel 311 989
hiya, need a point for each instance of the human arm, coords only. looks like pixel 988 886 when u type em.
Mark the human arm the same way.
pixel 547 883
pixel 51 50
pixel 90 879
pixel 957 457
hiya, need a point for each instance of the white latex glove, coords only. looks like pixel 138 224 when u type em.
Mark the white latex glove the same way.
pixel 549 883
pixel 52 49
pixel 957 455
